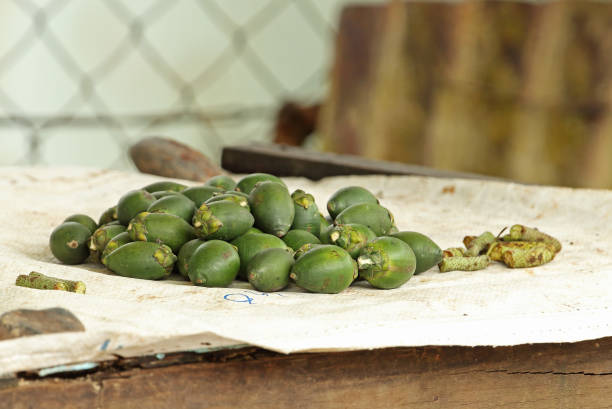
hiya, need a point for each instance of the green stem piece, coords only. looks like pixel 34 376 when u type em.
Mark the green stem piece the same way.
pixel 453 252
pixel 467 241
pixel 533 256
pixel 496 250
pixel 42 282
pixel 463 263
pixel 519 232
pixel 479 244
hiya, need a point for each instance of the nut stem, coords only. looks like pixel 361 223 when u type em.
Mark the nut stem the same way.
pixel 42 282
pixel 463 263
pixel 519 232
pixel 479 244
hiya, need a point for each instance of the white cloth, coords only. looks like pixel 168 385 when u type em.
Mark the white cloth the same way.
pixel 563 301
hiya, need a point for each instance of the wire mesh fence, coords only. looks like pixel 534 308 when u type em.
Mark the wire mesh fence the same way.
pixel 81 81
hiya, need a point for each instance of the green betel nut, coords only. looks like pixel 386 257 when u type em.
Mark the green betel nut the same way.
pixel 351 237
pixel 326 269
pixel 297 238
pixel 269 270
pixel 84 220
pixel 247 183
pixel 164 228
pixel 142 259
pixel 325 233
pixel 306 214
pixel 114 243
pixel 164 185
pixel 213 264
pixel 222 220
pixel 324 222
pixel 272 208
pixel 250 244
pixel 132 203
pixel 185 253
pixel 200 194
pixel 177 205
pixel 235 193
pixel 386 262
pixel 164 193
pixel 240 200
pixel 104 234
pixel 254 230
pixel 376 217
pixel 427 253
pixel 221 182
pixel 306 248
pixel 68 242
pixel 108 216
pixel 347 197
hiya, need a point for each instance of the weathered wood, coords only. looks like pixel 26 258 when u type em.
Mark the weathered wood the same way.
pixel 22 322
pixel 514 89
pixel 165 157
pixel 357 51
pixel 282 160
pixel 573 375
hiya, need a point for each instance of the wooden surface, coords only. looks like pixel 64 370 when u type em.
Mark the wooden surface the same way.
pixel 282 160
pixel 577 375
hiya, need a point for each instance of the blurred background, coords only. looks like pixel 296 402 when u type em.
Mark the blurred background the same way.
pixel 80 81
pixel 521 90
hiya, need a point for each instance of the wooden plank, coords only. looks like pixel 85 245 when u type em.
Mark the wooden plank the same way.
pixel 51 394
pixel 574 375
pixel 282 160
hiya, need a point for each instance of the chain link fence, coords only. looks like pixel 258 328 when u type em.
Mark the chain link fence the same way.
pixel 82 81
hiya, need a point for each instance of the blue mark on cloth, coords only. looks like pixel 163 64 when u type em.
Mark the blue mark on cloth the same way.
pixel 67 368
pixel 243 296
pixel 238 297
pixel 104 345
pixel 160 356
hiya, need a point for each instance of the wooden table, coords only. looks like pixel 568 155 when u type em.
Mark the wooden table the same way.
pixel 576 375
pixel 564 375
